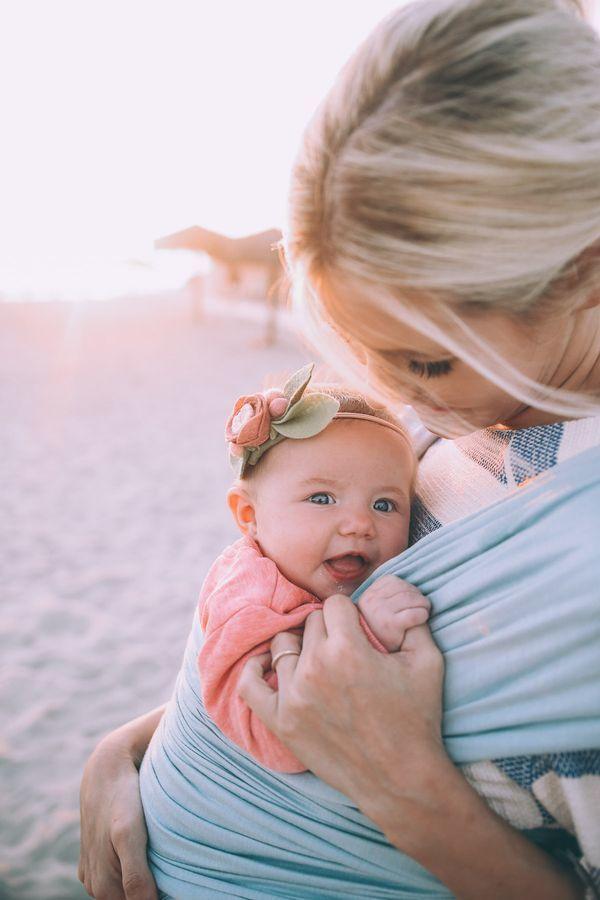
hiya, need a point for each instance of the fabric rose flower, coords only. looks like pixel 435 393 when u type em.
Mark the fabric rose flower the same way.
pixel 260 421
pixel 250 421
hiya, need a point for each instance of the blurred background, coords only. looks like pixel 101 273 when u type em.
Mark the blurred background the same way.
pixel 122 123
pixel 125 123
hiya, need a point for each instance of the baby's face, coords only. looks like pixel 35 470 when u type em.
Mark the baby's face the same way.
pixel 331 509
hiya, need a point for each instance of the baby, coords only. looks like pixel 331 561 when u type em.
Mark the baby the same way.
pixel 322 499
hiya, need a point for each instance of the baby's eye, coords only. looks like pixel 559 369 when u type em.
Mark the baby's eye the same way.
pixel 384 505
pixel 321 499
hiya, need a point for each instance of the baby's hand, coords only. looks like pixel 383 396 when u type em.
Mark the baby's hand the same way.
pixel 392 606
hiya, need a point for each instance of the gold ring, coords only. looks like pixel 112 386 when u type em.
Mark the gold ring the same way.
pixel 278 656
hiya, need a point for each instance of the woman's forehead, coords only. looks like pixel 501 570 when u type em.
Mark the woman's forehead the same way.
pixel 380 322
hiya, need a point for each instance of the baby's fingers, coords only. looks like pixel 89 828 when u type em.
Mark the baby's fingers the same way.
pixel 385 586
pixel 394 591
pixel 393 631
pixel 410 618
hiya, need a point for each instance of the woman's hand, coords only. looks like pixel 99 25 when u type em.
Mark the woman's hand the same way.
pixel 349 713
pixel 112 861
pixel 369 724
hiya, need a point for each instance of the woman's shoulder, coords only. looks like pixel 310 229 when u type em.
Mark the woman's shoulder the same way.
pixel 459 477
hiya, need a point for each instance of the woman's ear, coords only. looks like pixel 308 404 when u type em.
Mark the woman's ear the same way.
pixel 242 509
pixel 587 261
pixel 592 301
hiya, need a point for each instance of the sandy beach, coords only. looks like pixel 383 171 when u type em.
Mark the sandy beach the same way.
pixel 113 481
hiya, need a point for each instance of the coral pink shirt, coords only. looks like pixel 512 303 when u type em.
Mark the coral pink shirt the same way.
pixel 244 602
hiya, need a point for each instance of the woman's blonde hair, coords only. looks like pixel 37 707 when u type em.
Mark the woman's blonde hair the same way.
pixel 454 167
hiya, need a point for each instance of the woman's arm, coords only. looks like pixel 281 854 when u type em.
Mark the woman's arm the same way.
pixel 369 725
pixel 455 835
pixel 112 861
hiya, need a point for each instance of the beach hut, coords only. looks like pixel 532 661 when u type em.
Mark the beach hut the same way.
pixel 246 267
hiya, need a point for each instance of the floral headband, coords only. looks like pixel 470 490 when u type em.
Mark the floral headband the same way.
pixel 259 421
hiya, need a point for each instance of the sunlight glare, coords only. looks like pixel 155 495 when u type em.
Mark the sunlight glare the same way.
pixel 127 121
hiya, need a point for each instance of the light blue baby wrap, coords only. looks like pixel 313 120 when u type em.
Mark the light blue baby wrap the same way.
pixel 515 590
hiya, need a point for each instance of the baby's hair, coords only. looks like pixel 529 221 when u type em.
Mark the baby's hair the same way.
pixel 453 168
pixel 353 401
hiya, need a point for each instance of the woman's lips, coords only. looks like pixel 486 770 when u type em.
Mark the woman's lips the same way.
pixel 347 567
pixel 423 408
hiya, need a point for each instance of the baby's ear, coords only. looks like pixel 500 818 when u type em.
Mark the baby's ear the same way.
pixel 242 509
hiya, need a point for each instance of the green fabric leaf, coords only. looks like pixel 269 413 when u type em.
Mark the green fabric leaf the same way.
pixel 237 463
pixel 311 415
pixel 288 414
pixel 296 385
pixel 255 454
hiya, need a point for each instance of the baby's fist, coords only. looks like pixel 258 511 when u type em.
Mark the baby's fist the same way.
pixel 392 606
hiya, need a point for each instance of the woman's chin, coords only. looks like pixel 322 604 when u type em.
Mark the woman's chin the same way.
pixel 447 426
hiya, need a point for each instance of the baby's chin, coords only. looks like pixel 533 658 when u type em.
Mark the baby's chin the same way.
pixel 346 589
pixel 325 586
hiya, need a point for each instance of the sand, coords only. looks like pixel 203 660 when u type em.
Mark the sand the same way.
pixel 113 477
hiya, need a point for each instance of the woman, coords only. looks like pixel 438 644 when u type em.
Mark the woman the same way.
pixel 445 217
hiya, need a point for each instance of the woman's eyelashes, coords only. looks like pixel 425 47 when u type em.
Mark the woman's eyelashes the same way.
pixel 430 369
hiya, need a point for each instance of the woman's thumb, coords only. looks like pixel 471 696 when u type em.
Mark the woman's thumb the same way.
pixel 418 643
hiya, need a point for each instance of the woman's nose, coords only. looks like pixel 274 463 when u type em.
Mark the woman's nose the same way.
pixel 414 396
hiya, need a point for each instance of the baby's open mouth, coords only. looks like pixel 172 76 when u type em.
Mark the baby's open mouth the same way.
pixel 347 566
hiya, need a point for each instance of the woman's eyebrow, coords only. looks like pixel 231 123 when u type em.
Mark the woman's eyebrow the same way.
pixel 416 354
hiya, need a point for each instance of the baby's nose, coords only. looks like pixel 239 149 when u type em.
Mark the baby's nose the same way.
pixel 357 521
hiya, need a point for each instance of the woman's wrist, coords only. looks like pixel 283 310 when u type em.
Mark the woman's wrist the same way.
pixel 407 792
pixel 438 819
pixel 131 740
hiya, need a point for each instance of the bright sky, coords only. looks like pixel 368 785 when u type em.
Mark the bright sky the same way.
pixel 123 120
